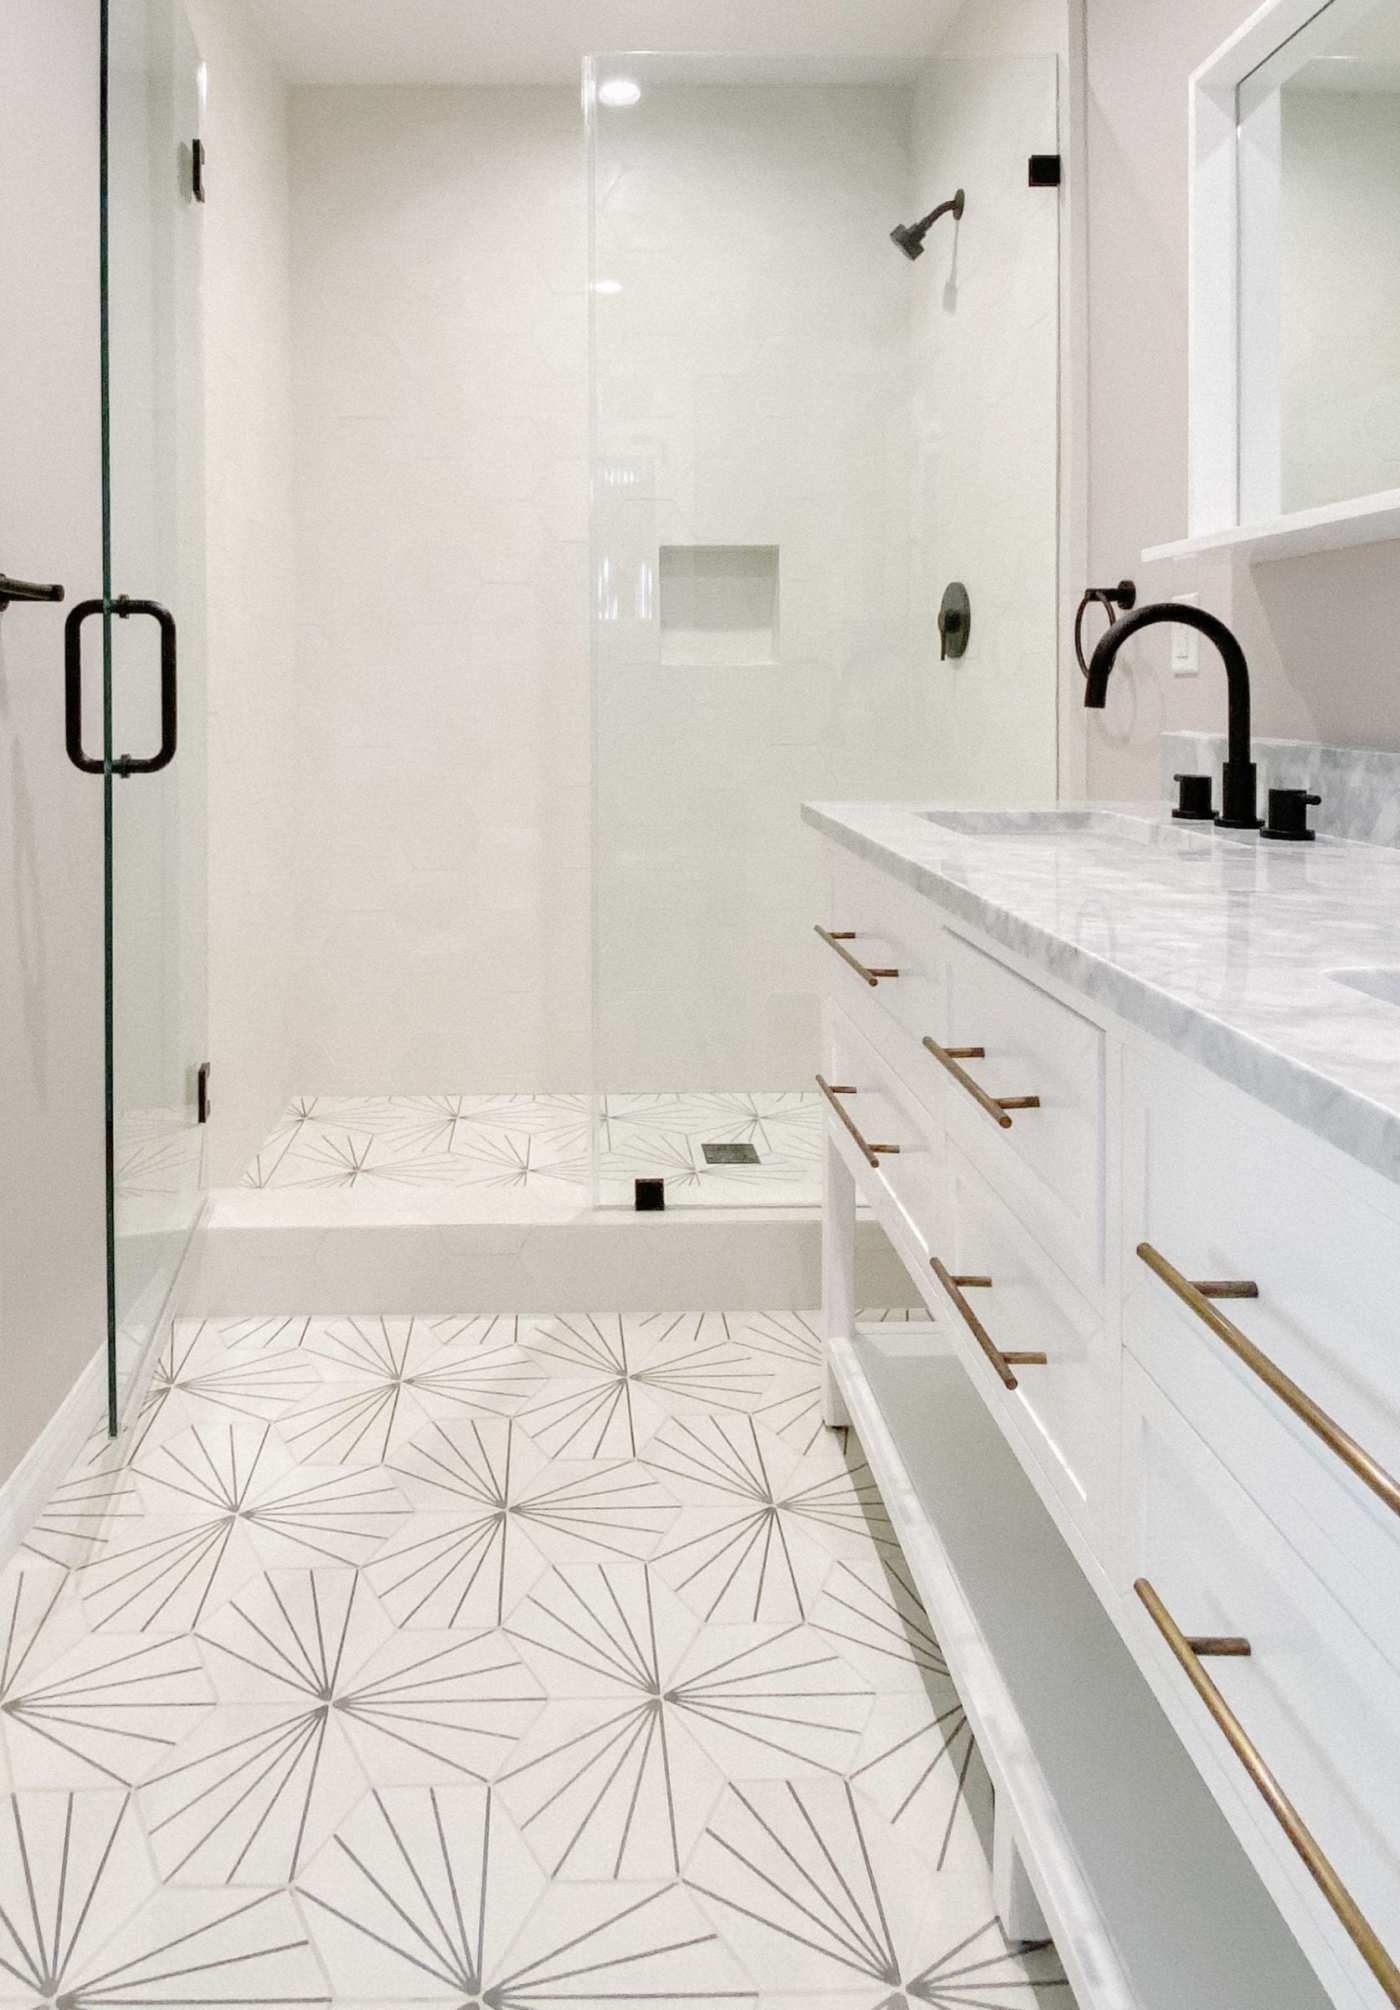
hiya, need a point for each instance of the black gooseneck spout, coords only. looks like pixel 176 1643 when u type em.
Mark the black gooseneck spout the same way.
pixel 1240 781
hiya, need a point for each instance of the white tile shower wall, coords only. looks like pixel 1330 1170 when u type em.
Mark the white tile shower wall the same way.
pixel 986 362
pixel 253 761
pixel 752 359
pixel 442 741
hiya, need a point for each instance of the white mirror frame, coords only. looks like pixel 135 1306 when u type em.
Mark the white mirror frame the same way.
pixel 1226 404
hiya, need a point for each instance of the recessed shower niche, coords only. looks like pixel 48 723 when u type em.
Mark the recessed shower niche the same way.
pixel 719 604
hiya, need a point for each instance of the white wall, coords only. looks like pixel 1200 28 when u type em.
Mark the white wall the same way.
pixel 1319 632
pixel 442 741
pixel 254 760
pixel 52 1316
pixel 1007 28
pixel 985 381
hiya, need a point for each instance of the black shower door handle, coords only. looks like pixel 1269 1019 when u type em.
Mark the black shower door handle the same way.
pixel 73 686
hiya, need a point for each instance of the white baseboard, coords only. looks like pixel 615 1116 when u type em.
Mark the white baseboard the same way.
pixel 30 1487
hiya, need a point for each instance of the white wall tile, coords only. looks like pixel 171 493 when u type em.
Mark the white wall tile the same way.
pixel 441 343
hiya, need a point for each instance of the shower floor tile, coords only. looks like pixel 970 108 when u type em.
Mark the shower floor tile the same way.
pixel 513 1158
pixel 488 1658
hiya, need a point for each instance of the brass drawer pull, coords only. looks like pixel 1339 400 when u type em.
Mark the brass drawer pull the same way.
pixel 834 939
pixel 1198 1297
pixel 1003 1363
pixel 871 1153
pixel 1189 1653
pixel 995 1106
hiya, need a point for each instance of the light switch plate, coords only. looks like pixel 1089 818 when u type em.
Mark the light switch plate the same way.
pixel 1186 642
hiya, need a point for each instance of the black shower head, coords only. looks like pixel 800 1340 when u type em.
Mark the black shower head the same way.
pixel 910 236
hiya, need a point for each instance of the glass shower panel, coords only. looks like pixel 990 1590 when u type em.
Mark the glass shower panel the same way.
pixel 151 724
pixel 800 438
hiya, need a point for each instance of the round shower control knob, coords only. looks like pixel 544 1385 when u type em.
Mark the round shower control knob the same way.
pixel 955 622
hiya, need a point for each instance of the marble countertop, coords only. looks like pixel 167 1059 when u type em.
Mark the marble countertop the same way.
pixel 1225 947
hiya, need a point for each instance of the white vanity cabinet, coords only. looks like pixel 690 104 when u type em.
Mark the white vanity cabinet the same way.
pixel 1214 1464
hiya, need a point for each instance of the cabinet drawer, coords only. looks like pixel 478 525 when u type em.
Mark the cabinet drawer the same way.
pixel 1319 1703
pixel 877 1108
pixel 1227 1202
pixel 1064 1408
pixel 891 928
pixel 1049 1160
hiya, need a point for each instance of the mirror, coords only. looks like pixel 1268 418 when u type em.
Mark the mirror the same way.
pixel 1318 124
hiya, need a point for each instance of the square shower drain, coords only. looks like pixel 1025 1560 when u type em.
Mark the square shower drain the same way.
pixel 730 1155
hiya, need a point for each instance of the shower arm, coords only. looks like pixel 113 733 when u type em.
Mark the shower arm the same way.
pixel 952 207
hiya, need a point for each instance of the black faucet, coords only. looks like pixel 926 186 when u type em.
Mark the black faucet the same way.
pixel 1240 780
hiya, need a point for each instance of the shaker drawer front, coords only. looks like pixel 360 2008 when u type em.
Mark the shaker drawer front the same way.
pixel 888 1127
pixel 1019 1046
pixel 1297 1387
pixel 878 924
pixel 1061 1382
pixel 1318 1705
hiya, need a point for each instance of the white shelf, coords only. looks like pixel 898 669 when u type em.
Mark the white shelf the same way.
pixel 1152 1903
pixel 1336 527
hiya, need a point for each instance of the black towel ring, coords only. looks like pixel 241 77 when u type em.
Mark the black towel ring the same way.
pixel 1114 600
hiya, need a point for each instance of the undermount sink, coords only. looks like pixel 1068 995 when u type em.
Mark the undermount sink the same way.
pixel 1085 823
pixel 1383 983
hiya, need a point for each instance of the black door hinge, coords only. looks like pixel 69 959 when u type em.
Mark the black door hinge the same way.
pixel 1045 170
pixel 197 160
pixel 205 1107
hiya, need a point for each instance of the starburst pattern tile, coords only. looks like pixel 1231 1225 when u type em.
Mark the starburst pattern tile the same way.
pixel 487 1659
pixel 537 1151
pixel 385 1903
pixel 198 1378
pixel 657 1713
pixel 324 1696
pixel 870 1610
pixel 808 1879
pixel 90 1509
pixel 96 1927
pixel 221 1501
pixel 78 1709
pixel 498 1512
pixel 764 1521
pixel 383 1379
pixel 613 1381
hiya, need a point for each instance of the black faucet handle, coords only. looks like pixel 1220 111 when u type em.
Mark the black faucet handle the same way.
pixel 1194 804
pixel 1288 815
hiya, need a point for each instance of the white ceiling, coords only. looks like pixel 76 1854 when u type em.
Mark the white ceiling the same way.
pixel 544 41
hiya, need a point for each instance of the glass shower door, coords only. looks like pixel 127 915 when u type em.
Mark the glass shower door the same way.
pixel 136 708
pixel 801 439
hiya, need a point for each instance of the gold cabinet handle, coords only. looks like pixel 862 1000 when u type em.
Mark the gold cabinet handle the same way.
pixel 995 1106
pixel 871 1153
pixel 1188 1653
pixel 1003 1363
pixel 1198 1296
pixel 835 938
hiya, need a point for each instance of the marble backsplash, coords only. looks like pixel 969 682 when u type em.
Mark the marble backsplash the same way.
pixel 1359 786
